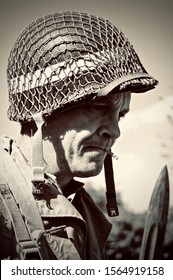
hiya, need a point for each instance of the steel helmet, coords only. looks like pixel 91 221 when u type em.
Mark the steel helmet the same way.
pixel 67 57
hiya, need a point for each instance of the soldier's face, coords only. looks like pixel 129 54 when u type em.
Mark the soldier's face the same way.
pixel 76 141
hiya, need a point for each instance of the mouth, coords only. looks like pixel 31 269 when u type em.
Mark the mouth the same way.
pixel 97 148
pixel 94 148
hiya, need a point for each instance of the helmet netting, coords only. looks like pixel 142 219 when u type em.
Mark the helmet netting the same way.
pixel 67 57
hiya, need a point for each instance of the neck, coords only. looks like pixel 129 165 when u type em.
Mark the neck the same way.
pixel 62 179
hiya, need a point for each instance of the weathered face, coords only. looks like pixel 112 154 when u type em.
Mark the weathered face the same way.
pixel 75 141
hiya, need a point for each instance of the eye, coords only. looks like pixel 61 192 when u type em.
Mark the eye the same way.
pixel 98 109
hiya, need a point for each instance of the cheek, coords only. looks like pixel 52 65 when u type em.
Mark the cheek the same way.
pixel 68 142
pixel 72 142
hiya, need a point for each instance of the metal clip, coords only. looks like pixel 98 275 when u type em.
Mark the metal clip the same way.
pixel 37 188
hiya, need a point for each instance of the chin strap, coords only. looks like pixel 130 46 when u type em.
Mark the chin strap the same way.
pixel 112 207
pixel 38 179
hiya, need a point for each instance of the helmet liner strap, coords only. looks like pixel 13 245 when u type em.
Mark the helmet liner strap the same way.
pixel 37 156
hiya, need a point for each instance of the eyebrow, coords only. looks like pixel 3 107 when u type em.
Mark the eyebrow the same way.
pixel 108 102
pixel 101 101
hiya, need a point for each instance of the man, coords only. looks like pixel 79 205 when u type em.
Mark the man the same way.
pixel 70 78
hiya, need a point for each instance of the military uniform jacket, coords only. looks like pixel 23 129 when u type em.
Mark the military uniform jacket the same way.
pixel 73 227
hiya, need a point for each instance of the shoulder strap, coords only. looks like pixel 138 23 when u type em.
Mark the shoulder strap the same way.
pixel 22 193
pixel 28 248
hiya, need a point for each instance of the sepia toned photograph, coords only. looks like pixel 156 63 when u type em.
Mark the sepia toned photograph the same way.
pixel 86 130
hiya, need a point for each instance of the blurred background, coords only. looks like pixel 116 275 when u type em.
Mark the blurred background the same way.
pixel 146 142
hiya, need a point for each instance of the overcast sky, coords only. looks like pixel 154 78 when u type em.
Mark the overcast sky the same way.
pixel 146 143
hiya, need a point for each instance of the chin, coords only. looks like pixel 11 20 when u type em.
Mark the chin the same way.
pixel 88 172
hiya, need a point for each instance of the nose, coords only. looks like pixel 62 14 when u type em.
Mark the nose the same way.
pixel 110 130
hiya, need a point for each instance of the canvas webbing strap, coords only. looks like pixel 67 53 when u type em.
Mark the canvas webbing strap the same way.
pixel 22 193
pixel 13 210
pixel 28 249
pixel 37 153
